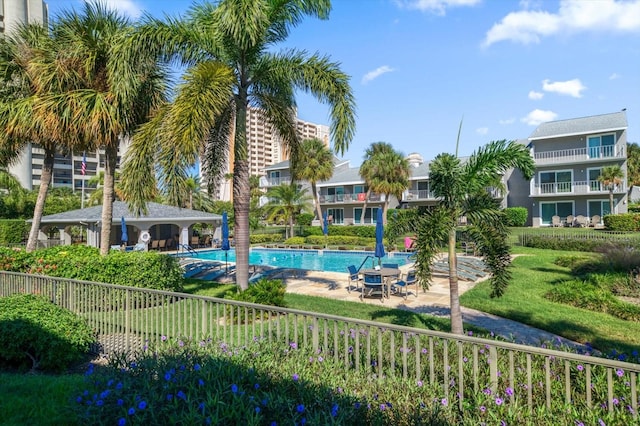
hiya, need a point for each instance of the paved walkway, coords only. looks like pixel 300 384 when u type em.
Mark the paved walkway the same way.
pixel 435 301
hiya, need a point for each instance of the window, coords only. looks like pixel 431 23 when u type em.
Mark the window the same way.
pixel 335 194
pixel 556 182
pixel 599 207
pixel 593 175
pixel 548 210
pixel 370 215
pixel 601 146
pixel 336 215
pixel 274 178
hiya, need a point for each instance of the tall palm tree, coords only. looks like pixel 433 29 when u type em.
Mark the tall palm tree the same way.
pixel 97 195
pixel 198 199
pixel 229 49
pixel 611 177
pixel 111 88
pixel 461 189
pixel 313 164
pixel 385 171
pixel 26 61
pixel 286 201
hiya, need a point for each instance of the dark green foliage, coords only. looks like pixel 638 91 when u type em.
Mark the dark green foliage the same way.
pixel 295 241
pixel 516 216
pixel 312 230
pixel 571 261
pixel 340 230
pixel 620 257
pixel 305 219
pixel 561 242
pixel 13 231
pixel 135 269
pixel 622 222
pixel 36 334
pixel 339 240
pixel 263 292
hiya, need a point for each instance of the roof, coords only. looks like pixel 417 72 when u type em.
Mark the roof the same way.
pixel 581 126
pixel 121 209
pixel 286 164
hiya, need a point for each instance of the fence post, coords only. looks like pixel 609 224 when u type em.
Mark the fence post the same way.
pixel 127 319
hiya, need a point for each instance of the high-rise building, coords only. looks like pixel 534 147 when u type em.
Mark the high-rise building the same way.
pixel 14 12
pixel 266 148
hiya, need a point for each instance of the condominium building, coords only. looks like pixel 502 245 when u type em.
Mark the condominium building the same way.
pixel 14 12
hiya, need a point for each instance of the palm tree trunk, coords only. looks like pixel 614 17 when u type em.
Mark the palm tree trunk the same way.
pixel 291 226
pixel 611 199
pixel 241 192
pixel 45 181
pixel 454 297
pixel 364 206
pixel 110 158
pixel 316 200
pixel 385 209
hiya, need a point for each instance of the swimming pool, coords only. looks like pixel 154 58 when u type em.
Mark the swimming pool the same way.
pixel 314 260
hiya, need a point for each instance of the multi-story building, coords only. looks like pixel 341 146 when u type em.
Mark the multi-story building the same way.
pixel 14 12
pixel 569 156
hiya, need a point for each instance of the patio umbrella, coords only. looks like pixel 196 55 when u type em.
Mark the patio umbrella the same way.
pixel 325 228
pixel 379 234
pixel 125 236
pixel 225 239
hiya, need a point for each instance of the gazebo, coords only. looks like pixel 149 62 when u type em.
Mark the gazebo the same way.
pixel 161 222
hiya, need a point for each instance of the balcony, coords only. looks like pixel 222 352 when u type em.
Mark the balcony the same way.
pixel 579 155
pixel 275 181
pixel 575 188
pixel 349 198
pixel 418 195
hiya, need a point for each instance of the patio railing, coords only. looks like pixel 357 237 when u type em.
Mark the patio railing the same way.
pixel 126 318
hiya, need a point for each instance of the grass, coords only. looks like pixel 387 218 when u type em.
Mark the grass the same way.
pixel 534 274
pixel 36 399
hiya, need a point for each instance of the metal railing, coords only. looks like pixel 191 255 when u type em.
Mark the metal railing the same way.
pixel 126 318
pixel 579 154
pixel 575 187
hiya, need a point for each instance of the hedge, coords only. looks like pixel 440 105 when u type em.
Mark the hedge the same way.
pixel 516 216
pixel 622 222
pixel 12 231
pixel 36 334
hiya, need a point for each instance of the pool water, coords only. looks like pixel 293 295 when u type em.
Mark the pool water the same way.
pixel 314 260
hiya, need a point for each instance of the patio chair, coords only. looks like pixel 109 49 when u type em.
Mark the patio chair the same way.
pixel 569 221
pixel 469 248
pixel 154 244
pixel 581 221
pixel 354 277
pixel 162 244
pixel 555 221
pixel 595 220
pixel 195 241
pixel 410 279
pixel 372 284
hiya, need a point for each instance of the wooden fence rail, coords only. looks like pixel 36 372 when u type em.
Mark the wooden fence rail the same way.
pixel 126 318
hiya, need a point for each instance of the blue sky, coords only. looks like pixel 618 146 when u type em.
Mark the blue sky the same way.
pixel 419 67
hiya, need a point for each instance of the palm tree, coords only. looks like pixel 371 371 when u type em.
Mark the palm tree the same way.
pixel 96 197
pixel 26 58
pixel 315 164
pixel 229 48
pixel 198 199
pixel 385 171
pixel 461 189
pixel 285 202
pixel 110 89
pixel 611 177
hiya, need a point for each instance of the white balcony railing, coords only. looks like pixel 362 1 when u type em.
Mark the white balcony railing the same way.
pixel 577 155
pixel 575 187
pixel 349 198
pixel 275 181
pixel 418 195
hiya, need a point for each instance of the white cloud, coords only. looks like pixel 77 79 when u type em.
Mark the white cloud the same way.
pixel 372 75
pixel 570 87
pixel 126 7
pixel 529 26
pixel 507 121
pixel 614 76
pixel 482 130
pixel 439 7
pixel 538 116
pixel 535 95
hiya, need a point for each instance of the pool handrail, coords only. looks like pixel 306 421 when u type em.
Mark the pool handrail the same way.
pixel 363 262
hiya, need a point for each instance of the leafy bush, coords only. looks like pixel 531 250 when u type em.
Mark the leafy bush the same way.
pixel 305 219
pixel 571 261
pixel 263 292
pixel 265 238
pixel 620 257
pixel 340 240
pixel 561 242
pixel 36 334
pixel 12 231
pixel 294 241
pixel 516 216
pixel 622 222
pixel 136 269
pixel 312 230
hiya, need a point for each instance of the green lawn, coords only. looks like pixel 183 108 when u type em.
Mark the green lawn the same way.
pixel 534 273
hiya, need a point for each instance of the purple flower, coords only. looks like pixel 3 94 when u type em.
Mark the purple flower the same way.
pixel 200 382
pixel 483 408
pixel 580 367
pixel 197 367
pixel 487 391
pixel 234 388
pixel 320 359
pixel 256 386
pixel 131 411
pixel 293 345
pixel 120 402
pixel 499 401
pixel 615 401
pixel 601 422
pixel 419 383
pixel 169 397
pixel 257 410
pixel 334 410
pixel 142 405
pixel 620 372
pixel 444 402
pixel 295 377
pixel 163 338
pixel 300 408
pixel 383 407
pixel 509 391
pixel 181 395
pixel 181 343
pixel 122 421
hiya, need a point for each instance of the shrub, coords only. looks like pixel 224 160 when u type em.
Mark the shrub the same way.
pixel 516 216
pixel 620 257
pixel 265 238
pixel 136 269
pixel 12 231
pixel 560 242
pixel 305 219
pixel 622 222
pixel 34 332
pixel 263 292
pixel 571 261
pixel 338 240
pixel 295 241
